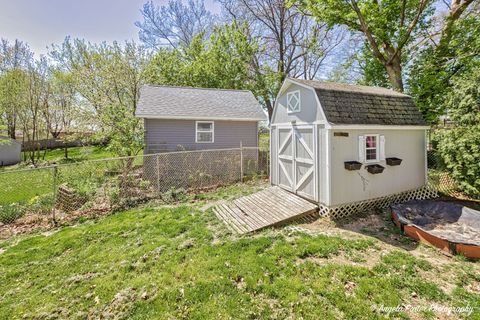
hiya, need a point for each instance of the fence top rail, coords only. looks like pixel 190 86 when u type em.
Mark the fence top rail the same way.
pixel 119 159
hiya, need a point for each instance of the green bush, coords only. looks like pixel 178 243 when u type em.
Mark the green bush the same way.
pixel 10 212
pixel 41 204
pixel 459 149
pixel 174 195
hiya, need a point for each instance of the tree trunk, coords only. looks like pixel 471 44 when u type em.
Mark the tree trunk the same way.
pixel 11 132
pixel 394 71
pixel 269 105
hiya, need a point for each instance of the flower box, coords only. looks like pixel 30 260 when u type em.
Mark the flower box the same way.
pixel 393 161
pixel 375 168
pixel 352 165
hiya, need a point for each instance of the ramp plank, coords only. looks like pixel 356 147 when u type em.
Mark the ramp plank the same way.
pixel 270 207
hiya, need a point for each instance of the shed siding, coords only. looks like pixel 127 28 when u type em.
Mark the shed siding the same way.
pixel 350 186
pixel 167 134
pixel 322 175
pixel 309 112
pixel 10 152
pixel 273 155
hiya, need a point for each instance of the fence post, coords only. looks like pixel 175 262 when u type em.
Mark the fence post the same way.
pixel 55 172
pixel 158 173
pixel 241 161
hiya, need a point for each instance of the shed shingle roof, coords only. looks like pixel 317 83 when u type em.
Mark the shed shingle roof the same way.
pixel 184 102
pixel 353 104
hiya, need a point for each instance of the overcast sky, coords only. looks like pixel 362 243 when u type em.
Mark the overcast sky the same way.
pixel 43 22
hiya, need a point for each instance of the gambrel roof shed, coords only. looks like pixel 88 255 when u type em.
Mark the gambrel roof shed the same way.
pixel 341 145
pixel 355 104
pixel 170 102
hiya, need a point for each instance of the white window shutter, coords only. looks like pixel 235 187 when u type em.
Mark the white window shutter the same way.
pixel 382 148
pixel 361 148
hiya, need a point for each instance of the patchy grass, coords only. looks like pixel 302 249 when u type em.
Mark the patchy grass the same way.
pixel 181 262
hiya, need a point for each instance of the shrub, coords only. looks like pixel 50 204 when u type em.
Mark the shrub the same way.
pixel 10 212
pixel 174 195
pixel 41 204
pixel 459 149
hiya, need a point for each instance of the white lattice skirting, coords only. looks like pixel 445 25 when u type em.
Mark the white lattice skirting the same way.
pixel 345 210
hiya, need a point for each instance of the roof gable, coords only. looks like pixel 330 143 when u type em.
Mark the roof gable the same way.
pixel 185 102
pixel 352 104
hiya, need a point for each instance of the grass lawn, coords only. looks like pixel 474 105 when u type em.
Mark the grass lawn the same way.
pixel 24 185
pixel 78 154
pixel 181 262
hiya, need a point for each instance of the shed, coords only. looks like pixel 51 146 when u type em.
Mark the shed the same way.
pixel 10 151
pixel 343 145
pixel 184 118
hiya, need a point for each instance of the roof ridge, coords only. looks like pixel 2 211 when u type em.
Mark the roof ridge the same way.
pixel 197 88
pixel 387 91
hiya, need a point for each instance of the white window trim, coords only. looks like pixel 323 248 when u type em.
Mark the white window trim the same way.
pixel 289 94
pixel 377 148
pixel 197 131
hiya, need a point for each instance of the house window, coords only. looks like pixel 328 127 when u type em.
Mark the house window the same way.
pixel 293 102
pixel 204 131
pixel 371 148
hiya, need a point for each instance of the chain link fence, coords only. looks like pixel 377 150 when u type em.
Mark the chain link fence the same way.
pixel 32 198
pixel 36 197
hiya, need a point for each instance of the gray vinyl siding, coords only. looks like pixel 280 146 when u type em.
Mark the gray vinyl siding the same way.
pixel 171 134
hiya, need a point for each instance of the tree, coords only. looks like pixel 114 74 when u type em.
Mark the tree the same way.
pixel 292 44
pixel 447 53
pixel 222 61
pixel 62 110
pixel 13 86
pixel 175 24
pixel 108 78
pixel 459 147
pixel 30 116
pixel 14 59
pixel 389 27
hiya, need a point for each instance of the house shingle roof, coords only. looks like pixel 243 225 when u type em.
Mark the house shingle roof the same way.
pixel 184 102
pixel 353 104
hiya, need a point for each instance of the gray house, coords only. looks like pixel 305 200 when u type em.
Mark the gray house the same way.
pixel 10 151
pixel 344 146
pixel 182 118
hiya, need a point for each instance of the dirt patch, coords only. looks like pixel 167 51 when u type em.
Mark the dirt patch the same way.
pixel 368 258
pixel 42 222
pixel 82 277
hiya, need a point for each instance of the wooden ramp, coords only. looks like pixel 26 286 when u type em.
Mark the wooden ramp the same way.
pixel 270 207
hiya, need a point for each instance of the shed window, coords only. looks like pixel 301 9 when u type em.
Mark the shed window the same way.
pixel 293 102
pixel 204 131
pixel 371 148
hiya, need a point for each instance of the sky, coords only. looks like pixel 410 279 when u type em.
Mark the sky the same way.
pixel 43 22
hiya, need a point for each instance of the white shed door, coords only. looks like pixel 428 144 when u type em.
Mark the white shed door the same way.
pixel 296 160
